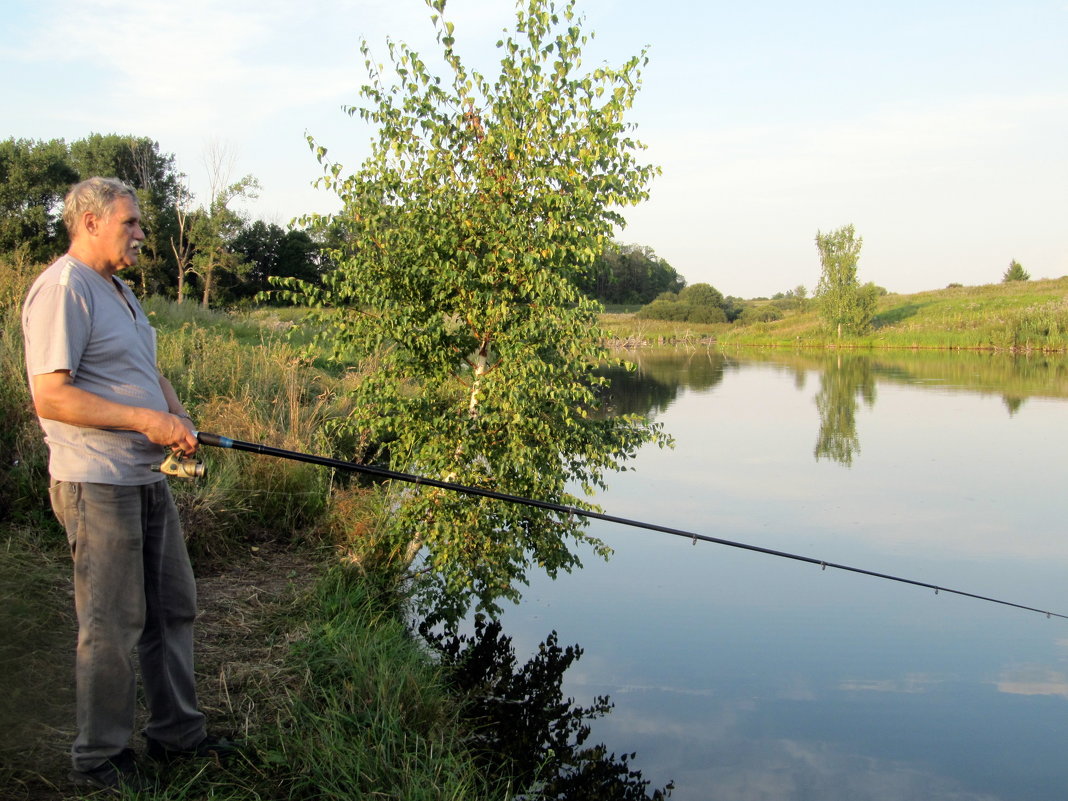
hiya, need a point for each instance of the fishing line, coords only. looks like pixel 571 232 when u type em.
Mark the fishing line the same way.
pixel 218 441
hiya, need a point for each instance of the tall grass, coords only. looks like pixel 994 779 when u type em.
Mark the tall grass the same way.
pixel 626 330
pixel 356 710
pixel 245 381
pixel 23 456
pixel 369 716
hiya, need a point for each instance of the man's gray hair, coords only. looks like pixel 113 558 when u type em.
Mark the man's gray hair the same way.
pixel 96 195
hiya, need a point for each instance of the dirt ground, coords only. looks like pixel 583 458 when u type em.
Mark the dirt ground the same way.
pixel 240 643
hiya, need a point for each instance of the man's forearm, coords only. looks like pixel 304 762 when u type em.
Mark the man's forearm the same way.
pixel 56 398
pixel 69 404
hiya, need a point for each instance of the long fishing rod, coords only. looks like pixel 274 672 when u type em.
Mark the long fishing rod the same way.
pixel 218 441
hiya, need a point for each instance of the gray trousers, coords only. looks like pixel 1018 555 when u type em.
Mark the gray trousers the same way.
pixel 133 587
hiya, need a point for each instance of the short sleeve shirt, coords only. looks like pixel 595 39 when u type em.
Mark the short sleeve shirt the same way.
pixel 76 319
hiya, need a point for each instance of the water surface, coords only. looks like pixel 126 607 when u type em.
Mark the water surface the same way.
pixel 742 676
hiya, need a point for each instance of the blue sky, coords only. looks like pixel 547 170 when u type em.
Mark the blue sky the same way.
pixel 938 128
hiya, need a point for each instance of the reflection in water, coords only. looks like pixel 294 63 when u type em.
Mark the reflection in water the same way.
pixel 848 377
pixel 1034 680
pixel 654 383
pixel 1013 403
pixel 657 377
pixel 748 678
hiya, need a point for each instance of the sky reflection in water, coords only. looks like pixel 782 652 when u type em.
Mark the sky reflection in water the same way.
pixel 743 676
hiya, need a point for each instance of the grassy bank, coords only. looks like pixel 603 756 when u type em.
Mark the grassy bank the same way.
pixel 1014 316
pixel 335 697
pixel 349 705
pixel 316 667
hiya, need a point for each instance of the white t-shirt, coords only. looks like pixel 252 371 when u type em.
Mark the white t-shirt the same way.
pixel 75 319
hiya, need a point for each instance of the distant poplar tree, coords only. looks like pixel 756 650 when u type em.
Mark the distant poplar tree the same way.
pixel 843 303
pixel 1016 272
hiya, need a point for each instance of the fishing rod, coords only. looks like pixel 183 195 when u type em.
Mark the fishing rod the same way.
pixel 187 468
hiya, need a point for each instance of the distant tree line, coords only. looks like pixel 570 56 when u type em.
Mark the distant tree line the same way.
pixel 205 252
pixel 845 305
pixel 629 275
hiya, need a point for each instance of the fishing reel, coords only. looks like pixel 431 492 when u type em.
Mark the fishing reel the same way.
pixel 179 466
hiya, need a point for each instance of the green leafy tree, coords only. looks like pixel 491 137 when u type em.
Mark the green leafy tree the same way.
pixel 697 303
pixel 213 229
pixel 1016 272
pixel 792 298
pixel 483 203
pixel 701 295
pixel 843 303
pixel 272 251
pixel 180 238
pixel 760 314
pixel 34 177
pixel 215 261
pixel 626 274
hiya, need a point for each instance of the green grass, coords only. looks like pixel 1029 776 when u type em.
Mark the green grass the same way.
pixel 367 715
pixel 625 330
pixel 36 651
pixel 357 710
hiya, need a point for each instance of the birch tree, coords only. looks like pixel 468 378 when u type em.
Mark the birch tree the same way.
pixel 482 203
pixel 844 304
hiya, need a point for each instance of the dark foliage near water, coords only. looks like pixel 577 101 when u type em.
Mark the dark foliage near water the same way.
pixel 524 727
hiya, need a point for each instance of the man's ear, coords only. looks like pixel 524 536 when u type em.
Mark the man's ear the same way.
pixel 90 223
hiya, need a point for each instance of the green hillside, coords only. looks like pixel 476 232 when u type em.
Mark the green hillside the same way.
pixel 1017 316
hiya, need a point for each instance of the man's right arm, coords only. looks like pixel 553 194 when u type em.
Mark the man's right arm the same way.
pixel 56 398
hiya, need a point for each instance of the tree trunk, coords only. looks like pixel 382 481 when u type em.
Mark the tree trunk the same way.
pixel 207 285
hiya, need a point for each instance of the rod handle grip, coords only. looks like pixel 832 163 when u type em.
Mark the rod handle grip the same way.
pixel 204 438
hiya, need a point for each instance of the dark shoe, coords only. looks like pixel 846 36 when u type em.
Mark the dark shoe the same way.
pixel 218 748
pixel 116 774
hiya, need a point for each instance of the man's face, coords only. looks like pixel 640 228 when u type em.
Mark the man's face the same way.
pixel 118 235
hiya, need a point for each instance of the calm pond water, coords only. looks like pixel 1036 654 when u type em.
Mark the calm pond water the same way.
pixel 743 676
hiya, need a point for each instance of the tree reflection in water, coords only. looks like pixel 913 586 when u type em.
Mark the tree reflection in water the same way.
pixel 843 382
pixel 654 383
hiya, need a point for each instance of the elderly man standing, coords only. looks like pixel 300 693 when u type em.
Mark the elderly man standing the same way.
pixel 108 415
